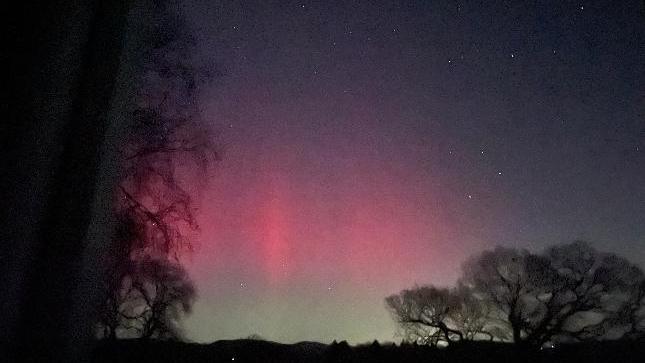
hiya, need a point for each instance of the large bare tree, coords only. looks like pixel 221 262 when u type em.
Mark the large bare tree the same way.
pixel 505 277
pixel 168 151
pixel 571 292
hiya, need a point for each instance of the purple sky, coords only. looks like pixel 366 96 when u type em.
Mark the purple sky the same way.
pixel 374 145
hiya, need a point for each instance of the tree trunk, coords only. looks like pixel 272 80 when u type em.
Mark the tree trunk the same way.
pixel 517 334
pixel 447 331
pixel 515 326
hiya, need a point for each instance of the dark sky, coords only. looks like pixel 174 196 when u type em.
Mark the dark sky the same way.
pixel 372 145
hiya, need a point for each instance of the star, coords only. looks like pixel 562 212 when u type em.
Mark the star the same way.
pixel 499 173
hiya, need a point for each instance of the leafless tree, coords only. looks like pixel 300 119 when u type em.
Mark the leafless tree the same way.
pixel 503 276
pixel 587 291
pixel 571 292
pixel 169 151
pixel 158 293
pixel 424 311
pixel 432 315
pixel 476 317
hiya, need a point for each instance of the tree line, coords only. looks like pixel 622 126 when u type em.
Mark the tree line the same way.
pixel 567 293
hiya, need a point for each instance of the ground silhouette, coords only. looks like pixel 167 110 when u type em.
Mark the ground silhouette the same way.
pixel 265 351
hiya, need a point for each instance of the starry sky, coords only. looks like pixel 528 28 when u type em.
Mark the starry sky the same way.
pixel 374 145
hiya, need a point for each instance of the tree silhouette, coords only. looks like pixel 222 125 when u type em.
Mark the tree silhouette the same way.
pixel 570 292
pixel 159 293
pixel 423 314
pixel 433 316
pixel 169 146
pixel 503 276
pixel 476 317
pixel 633 313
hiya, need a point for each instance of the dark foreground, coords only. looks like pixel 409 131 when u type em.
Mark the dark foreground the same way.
pixel 262 351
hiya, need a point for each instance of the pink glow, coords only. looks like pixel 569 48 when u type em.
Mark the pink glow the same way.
pixel 273 232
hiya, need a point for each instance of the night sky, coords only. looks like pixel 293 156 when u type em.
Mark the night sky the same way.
pixel 372 145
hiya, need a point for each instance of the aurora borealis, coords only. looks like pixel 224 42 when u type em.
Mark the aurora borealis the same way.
pixel 370 146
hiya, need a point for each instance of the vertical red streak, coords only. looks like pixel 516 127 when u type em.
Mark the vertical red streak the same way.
pixel 274 232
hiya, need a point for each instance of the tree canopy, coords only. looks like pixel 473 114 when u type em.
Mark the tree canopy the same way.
pixel 570 292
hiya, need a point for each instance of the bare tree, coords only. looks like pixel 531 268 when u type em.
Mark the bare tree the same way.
pixel 584 296
pixel 502 277
pixel 426 307
pixel 158 292
pixel 571 292
pixel 476 317
pixel 168 143
pixel 432 315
